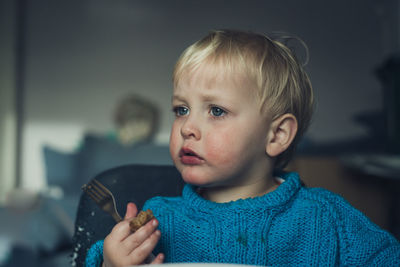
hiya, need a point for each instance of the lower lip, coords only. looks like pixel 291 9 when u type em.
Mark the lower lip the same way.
pixel 191 160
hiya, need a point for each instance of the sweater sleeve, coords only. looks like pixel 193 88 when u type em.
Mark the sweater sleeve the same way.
pixel 94 256
pixel 363 243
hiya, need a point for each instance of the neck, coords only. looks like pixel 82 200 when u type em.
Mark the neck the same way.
pixel 222 194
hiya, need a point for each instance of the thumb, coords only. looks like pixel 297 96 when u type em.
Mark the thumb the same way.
pixel 131 211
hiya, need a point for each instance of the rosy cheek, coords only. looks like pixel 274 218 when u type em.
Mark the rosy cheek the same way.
pixel 219 147
pixel 174 141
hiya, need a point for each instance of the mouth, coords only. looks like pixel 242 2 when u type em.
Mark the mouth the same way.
pixel 189 157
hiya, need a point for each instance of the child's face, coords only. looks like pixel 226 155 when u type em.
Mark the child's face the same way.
pixel 219 136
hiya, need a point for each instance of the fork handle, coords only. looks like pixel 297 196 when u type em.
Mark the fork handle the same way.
pixel 116 217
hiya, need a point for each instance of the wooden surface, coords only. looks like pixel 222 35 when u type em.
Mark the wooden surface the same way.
pixel 370 195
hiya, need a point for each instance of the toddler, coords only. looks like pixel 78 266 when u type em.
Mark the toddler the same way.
pixel 241 102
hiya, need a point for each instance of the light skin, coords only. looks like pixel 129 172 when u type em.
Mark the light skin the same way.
pixel 124 248
pixel 221 142
pixel 220 139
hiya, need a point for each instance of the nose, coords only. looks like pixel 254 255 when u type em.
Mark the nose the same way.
pixel 190 128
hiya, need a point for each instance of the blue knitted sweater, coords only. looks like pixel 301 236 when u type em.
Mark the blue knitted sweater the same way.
pixel 292 225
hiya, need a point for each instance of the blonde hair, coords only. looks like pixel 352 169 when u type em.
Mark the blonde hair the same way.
pixel 282 83
pixel 136 110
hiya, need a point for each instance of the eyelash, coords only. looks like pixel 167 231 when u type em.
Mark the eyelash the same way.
pixel 176 110
pixel 179 108
pixel 223 112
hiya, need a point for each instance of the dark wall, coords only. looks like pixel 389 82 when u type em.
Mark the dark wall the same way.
pixel 82 56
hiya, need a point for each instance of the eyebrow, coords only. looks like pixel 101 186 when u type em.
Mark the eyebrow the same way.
pixel 208 97
pixel 177 97
pixel 204 97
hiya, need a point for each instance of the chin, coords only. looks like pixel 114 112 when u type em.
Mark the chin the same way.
pixel 192 177
pixel 193 180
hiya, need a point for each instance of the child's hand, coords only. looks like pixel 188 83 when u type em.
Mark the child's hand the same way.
pixel 124 248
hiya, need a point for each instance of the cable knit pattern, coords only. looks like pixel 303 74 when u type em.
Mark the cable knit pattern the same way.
pixel 289 226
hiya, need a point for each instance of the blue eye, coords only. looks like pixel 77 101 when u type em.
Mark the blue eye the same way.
pixel 217 112
pixel 181 111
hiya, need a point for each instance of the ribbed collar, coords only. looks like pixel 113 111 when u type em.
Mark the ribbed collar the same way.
pixel 274 199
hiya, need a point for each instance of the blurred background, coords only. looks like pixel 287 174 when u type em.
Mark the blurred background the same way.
pixel 66 64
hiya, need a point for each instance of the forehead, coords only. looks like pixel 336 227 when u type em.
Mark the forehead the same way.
pixel 209 74
pixel 215 83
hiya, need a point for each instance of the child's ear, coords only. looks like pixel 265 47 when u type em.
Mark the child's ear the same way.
pixel 281 134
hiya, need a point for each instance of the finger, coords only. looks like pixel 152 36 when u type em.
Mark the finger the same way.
pixel 131 210
pixel 120 231
pixel 145 249
pixel 134 240
pixel 159 259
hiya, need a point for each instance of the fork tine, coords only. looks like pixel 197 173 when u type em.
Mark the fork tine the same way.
pixel 99 189
pixel 103 198
pixel 93 196
pixel 101 186
pixel 96 190
pixel 93 191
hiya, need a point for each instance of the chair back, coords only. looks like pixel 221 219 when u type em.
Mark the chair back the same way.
pixel 129 183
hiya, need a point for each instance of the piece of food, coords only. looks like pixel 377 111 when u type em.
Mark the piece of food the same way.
pixel 141 219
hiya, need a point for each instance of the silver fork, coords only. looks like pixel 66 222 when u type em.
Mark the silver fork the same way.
pixel 103 198
pixel 106 201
